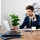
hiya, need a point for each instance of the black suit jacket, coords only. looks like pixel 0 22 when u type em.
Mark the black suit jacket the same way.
pixel 34 23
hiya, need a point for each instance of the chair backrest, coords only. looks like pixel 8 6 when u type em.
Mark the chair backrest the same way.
pixel 6 24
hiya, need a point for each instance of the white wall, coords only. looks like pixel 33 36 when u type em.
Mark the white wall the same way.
pixel 0 13
pixel 16 7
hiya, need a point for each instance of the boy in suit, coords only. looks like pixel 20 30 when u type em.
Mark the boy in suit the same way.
pixel 31 19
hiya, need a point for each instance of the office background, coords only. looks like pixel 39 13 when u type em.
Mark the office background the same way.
pixel 15 7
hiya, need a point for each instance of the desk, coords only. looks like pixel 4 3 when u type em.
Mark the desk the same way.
pixel 27 36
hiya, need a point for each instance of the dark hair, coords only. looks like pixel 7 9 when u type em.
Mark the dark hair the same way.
pixel 30 7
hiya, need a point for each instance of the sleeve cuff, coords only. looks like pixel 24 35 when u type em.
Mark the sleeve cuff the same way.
pixel 35 19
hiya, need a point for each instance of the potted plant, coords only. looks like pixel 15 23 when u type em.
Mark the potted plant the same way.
pixel 14 19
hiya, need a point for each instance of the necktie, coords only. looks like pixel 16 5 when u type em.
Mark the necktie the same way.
pixel 30 23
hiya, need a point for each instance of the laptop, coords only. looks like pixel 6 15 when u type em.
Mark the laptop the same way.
pixel 10 33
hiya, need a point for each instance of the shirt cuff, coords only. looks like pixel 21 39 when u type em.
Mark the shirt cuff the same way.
pixel 35 19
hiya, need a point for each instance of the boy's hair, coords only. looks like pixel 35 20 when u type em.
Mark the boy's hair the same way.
pixel 30 7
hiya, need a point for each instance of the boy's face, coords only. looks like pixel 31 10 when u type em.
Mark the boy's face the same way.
pixel 29 11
